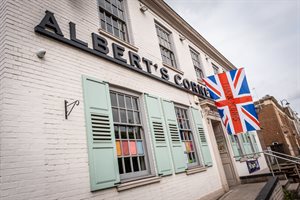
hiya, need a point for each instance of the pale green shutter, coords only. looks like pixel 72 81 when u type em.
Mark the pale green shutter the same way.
pixel 201 136
pixel 101 141
pixel 174 137
pixel 159 137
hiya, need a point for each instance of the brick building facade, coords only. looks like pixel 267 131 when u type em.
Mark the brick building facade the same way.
pixel 278 130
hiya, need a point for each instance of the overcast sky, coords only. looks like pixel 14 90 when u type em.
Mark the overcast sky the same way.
pixel 263 36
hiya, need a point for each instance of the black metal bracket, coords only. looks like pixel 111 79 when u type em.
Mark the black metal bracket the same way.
pixel 73 104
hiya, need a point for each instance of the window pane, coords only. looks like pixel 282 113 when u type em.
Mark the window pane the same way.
pixel 115 114
pixel 128 102
pixel 116 32
pixel 119 2
pixel 123 132
pixel 115 10
pixel 118 146
pixel 103 24
pixel 121 171
pixel 132 147
pixel 137 131
pixel 181 135
pixel 137 118
pixel 123 116
pixel 130 117
pixel 140 148
pixel 142 163
pixel 109 28
pixel 115 23
pixel 121 101
pixel 130 133
pixel 135 105
pixel 121 14
pixel 113 98
pixel 125 148
pixel 107 6
pixel 127 164
pixel 191 146
pixel 101 3
pixel 135 164
pixel 117 136
pixel 188 124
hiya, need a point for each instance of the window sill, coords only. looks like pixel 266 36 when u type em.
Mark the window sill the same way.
pixel 138 183
pixel 173 68
pixel 109 35
pixel 195 170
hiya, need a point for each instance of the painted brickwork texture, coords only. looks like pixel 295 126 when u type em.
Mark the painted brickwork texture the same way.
pixel 44 156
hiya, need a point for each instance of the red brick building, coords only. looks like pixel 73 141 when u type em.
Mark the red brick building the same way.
pixel 278 127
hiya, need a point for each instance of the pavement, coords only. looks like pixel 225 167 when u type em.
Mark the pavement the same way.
pixel 244 191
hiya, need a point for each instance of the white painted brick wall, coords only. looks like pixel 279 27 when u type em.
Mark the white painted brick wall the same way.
pixel 44 156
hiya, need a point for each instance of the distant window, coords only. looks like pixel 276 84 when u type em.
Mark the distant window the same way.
pixel 197 64
pixel 165 45
pixel 215 68
pixel 112 18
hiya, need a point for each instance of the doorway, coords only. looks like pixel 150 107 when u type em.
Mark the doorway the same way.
pixel 224 153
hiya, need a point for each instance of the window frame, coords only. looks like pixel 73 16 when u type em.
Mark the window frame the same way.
pixel 194 140
pixel 112 16
pixel 199 61
pixel 149 166
pixel 171 49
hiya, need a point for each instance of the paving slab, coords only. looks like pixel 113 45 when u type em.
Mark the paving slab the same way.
pixel 243 191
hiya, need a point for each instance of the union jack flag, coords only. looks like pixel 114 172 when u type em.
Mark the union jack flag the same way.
pixel 232 97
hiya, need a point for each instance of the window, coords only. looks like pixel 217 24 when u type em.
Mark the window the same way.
pixel 165 45
pixel 112 18
pixel 197 64
pixel 186 136
pixel 128 129
pixel 215 68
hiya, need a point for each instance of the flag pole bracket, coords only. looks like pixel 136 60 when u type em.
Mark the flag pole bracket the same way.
pixel 71 105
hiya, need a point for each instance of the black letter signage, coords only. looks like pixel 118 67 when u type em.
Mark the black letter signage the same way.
pixel 164 73
pixel 50 22
pixel 50 28
pixel 134 59
pixel 73 34
pixel 118 52
pixel 99 43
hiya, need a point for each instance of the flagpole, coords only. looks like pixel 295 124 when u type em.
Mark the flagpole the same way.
pixel 254 89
